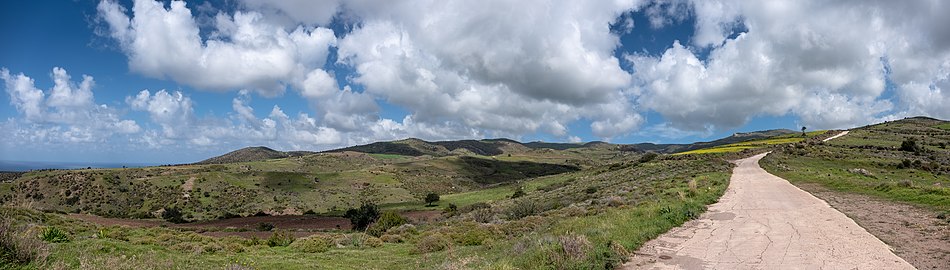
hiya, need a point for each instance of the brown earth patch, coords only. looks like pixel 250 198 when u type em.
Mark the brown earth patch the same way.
pixel 422 216
pixel 915 234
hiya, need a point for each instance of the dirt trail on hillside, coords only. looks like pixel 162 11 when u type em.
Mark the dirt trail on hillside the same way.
pixel 764 222
pixel 835 136
pixel 187 186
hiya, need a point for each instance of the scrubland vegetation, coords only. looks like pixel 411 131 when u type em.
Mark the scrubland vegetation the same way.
pixel 578 208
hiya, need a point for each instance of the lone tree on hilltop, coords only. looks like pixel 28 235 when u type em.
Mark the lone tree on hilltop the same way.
pixel 803 131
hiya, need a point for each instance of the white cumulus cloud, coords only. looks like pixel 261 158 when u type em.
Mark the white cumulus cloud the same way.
pixel 66 113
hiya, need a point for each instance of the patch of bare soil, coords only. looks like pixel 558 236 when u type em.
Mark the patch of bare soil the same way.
pixel 915 234
pixel 422 216
pixel 187 186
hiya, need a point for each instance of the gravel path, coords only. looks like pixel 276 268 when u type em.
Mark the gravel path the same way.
pixel 764 222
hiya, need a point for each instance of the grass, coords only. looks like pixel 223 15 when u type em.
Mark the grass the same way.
pixel 943 126
pixel 389 156
pixel 721 149
pixel 583 219
pixel 756 144
pixel 925 189
pixel 867 161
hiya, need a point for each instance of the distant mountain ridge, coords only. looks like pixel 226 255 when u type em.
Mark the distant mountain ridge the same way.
pixel 484 147
pixel 256 153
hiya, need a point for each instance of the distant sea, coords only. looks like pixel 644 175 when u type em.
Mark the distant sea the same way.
pixel 20 166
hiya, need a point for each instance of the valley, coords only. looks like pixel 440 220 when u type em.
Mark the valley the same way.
pixel 501 203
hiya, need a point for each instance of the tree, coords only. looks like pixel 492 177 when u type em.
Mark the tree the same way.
pixel 909 145
pixel 361 217
pixel 173 215
pixel 803 131
pixel 431 198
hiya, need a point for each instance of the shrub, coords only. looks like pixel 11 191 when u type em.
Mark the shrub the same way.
pixel 310 212
pixel 173 215
pixel 372 242
pixel 18 248
pixel 474 236
pixel 361 217
pixel 265 227
pixel 432 243
pixel 312 244
pixel 404 229
pixel 909 145
pixel 280 239
pixel 431 198
pixel 451 208
pixel 575 247
pixel 54 235
pixel 388 220
pixel 523 208
pixel 358 240
pixel 473 207
pixel 590 190
pixel 647 157
pixel 519 191
pixel 228 215
pixel 905 184
pixel 483 215
pixel 392 238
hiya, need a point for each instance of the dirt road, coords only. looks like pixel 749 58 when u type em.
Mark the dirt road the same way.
pixel 836 136
pixel 764 222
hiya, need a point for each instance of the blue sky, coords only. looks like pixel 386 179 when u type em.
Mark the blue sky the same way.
pixel 324 74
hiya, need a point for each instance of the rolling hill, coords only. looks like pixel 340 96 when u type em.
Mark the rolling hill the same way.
pixel 735 138
pixel 248 154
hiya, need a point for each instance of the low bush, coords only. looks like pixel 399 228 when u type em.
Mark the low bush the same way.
pixel 474 236
pixel 280 239
pixel 312 244
pixel 519 192
pixel 392 238
pixel 432 243
pixel 557 252
pixel 905 184
pixel 647 157
pixel 265 227
pixel 387 220
pixel 451 208
pixel 483 215
pixel 358 240
pixel 17 248
pixel 524 208
pixel 54 235
pixel 473 207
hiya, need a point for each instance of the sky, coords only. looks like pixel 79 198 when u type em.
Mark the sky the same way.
pixel 179 81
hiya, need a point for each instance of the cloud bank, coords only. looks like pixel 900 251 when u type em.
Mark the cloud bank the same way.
pixel 463 69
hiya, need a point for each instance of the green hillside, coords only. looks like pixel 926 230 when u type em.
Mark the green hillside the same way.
pixel 905 160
